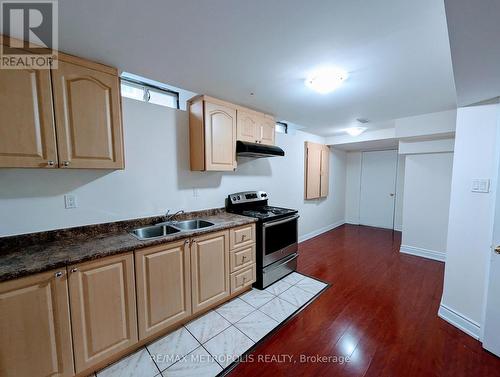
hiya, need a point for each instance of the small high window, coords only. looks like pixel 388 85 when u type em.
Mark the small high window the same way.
pixel 149 93
pixel 281 127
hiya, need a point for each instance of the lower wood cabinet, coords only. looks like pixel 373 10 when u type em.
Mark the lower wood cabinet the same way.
pixel 103 309
pixel 242 279
pixel 35 330
pixel 163 276
pixel 210 269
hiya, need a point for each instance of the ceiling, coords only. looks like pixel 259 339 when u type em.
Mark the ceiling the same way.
pixel 474 28
pixel 395 51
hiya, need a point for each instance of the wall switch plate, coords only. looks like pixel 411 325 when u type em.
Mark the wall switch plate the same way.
pixel 196 193
pixel 70 201
pixel 481 185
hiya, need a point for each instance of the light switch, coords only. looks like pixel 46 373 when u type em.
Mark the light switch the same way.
pixel 481 185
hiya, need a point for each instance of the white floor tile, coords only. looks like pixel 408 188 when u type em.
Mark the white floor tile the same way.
pixel 256 325
pixel 171 348
pixel 138 364
pixel 257 298
pixel 278 309
pixel 207 326
pixel 235 310
pixel 278 287
pixel 296 296
pixel 228 345
pixel 293 278
pixel 311 285
pixel 197 363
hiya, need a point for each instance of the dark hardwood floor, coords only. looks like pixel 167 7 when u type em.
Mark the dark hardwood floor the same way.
pixel 381 311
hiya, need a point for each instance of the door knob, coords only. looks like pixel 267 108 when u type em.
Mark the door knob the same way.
pixel 391 194
pixel 497 249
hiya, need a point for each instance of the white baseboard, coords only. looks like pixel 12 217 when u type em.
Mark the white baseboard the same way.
pixel 399 229
pixel 460 321
pixel 424 253
pixel 319 231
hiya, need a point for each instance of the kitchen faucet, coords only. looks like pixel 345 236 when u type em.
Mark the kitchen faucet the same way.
pixel 170 218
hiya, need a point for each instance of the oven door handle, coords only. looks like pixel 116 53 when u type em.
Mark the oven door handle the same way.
pixel 281 221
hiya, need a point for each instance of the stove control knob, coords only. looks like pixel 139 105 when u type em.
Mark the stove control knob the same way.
pixel 234 198
pixel 239 197
pixel 263 195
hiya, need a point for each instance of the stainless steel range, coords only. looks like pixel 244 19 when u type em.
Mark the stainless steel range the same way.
pixel 277 235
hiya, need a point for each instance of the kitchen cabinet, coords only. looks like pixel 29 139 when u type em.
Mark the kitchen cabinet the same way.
pixel 209 269
pixel 69 117
pixel 212 134
pixel 242 279
pixel 163 275
pixel 88 116
pixel 35 326
pixel 27 133
pixel 316 180
pixel 103 308
pixel 255 127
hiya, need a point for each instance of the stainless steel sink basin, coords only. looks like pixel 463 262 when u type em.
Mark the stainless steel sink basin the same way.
pixel 192 224
pixel 155 231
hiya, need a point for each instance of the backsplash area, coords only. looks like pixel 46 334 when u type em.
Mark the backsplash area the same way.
pixel 157 178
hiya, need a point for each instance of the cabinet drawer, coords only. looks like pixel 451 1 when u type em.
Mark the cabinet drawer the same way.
pixel 241 258
pixel 242 279
pixel 242 236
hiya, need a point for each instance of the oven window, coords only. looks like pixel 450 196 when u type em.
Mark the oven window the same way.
pixel 280 236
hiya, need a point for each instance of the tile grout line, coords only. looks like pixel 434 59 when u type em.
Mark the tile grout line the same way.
pixel 154 362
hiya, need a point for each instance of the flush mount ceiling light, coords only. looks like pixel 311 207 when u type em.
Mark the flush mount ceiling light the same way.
pixel 326 80
pixel 355 131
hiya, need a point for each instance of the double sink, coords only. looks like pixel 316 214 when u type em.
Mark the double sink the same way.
pixel 164 229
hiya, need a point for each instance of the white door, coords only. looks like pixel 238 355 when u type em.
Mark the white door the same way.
pixel 378 188
pixel 491 334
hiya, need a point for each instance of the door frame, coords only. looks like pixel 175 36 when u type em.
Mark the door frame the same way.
pixel 395 183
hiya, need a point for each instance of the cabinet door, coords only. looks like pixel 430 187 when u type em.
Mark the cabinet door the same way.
pixel 35 327
pixel 325 167
pixel 210 269
pixel 88 119
pixel 267 130
pixel 27 134
pixel 220 137
pixel 313 170
pixel 163 286
pixel 247 126
pixel 103 309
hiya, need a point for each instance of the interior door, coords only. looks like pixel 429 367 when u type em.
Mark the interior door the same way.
pixel 378 188
pixel 491 334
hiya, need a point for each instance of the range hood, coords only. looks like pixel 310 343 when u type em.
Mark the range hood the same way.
pixel 245 149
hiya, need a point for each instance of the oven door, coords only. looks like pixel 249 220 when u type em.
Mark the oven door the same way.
pixel 279 239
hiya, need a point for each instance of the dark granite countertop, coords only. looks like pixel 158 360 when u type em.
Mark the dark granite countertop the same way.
pixel 32 253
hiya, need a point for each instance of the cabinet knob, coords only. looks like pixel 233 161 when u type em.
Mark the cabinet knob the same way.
pixel 51 163
pixel 74 270
pixel 59 274
pixel 244 257
pixel 66 163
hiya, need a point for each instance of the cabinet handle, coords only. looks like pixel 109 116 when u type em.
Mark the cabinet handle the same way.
pixel 51 163
pixel 74 270
pixel 66 163
pixel 244 257
pixel 59 274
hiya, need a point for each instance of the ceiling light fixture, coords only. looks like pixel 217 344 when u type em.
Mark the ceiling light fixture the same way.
pixel 355 131
pixel 325 80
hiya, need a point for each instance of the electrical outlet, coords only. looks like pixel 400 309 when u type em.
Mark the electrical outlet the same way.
pixel 70 201
pixel 196 193
pixel 481 185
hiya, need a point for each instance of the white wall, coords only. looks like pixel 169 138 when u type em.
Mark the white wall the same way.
pixel 353 189
pixel 157 178
pixel 471 217
pixel 426 201
pixel 425 125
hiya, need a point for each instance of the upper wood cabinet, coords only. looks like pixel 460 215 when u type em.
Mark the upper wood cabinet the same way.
pixel 35 327
pixel 79 102
pixel 255 127
pixel 103 309
pixel 163 277
pixel 316 177
pixel 210 269
pixel 88 117
pixel 212 133
pixel 27 134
